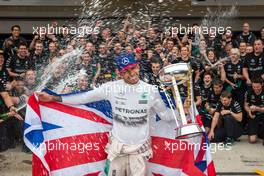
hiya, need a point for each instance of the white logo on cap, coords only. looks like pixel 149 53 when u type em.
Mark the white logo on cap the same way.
pixel 125 61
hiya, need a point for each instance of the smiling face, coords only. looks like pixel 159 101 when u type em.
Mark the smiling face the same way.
pixel 155 67
pixel 22 51
pixel 184 53
pixel 257 88
pixel 16 32
pixel 211 56
pixel 207 79
pixel 258 46
pixel 225 101
pixel 131 75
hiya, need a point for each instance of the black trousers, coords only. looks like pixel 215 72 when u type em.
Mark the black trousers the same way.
pixel 256 126
pixel 229 128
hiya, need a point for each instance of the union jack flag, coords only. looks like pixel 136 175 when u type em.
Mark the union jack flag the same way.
pixel 70 140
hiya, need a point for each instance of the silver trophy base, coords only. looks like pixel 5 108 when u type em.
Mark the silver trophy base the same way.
pixel 188 131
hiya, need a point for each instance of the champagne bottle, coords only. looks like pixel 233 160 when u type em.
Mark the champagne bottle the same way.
pixel 4 116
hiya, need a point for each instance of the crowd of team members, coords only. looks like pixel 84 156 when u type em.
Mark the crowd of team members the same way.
pixel 228 72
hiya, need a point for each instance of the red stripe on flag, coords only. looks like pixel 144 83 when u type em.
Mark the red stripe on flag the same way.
pixel 199 120
pixel 38 168
pixel 174 154
pixel 76 150
pixel 154 174
pixel 211 169
pixel 34 104
pixel 93 174
pixel 202 150
pixel 164 153
pixel 89 115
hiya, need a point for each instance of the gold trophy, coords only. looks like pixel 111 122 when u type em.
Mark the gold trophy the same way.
pixel 174 75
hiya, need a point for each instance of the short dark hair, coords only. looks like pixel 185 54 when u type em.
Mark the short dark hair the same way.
pixel 158 43
pixel 226 94
pixel 22 44
pixel 208 73
pixel 217 82
pixel 258 39
pixel 257 80
pixel 38 42
pixel 15 26
pixel 155 60
pixel 242 41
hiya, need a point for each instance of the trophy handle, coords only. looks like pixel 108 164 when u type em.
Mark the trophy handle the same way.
pixel 178 101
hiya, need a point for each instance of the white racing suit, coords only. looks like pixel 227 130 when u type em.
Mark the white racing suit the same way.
pixel 132 108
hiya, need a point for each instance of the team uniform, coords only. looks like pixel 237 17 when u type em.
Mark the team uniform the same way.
pixel 230 70
pixel 255 65
pixel 229 127
pixel 212 99
pixel 107 68
pixel 206 118
pixel 255 125
pixel 19 65
pixel 7 127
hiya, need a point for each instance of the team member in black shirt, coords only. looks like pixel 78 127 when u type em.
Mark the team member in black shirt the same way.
pixel 3 72
pixel 6 105
pixel 186 59
pixel 213 97
pixel 254 63
pixel 19 63
pixel 254 105
pixel 226 126
pixel 107 63
pixel 242 50
pixel 11 44
pixel 153 76
pixel 246 36
pixel 38 58
pixel 233 76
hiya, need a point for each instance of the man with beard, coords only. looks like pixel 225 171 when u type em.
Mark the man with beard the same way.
pixel 38 57
pixel 153 77
pixel 30 82
pixel 254 63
